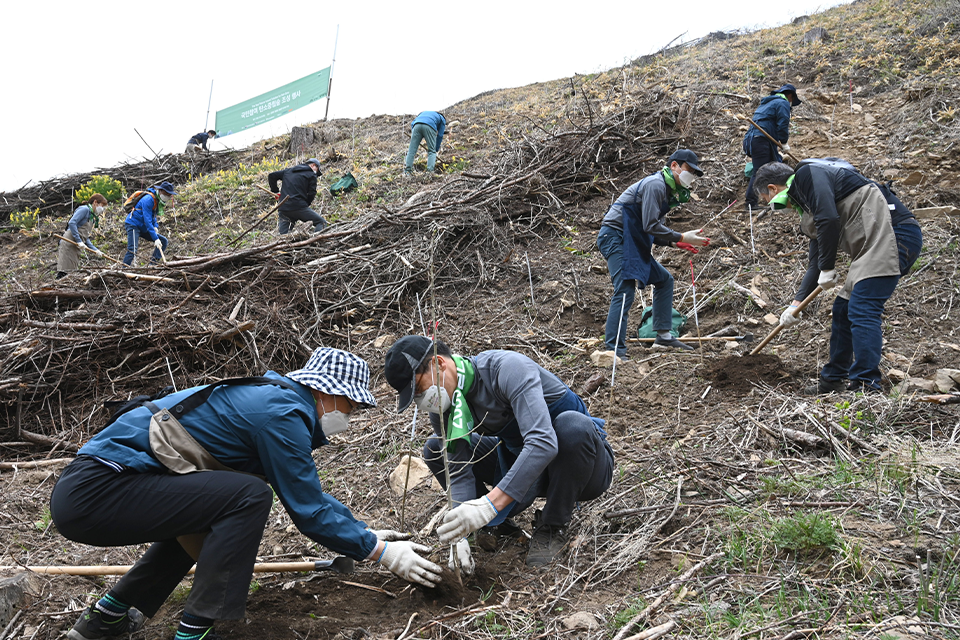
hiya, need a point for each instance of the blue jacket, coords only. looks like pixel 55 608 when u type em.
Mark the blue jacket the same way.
pixel 144 215
pixel 435 121
pixel 773 115
pixel 200 139
pixel 645 206
pixel 79 218
pixel 264 430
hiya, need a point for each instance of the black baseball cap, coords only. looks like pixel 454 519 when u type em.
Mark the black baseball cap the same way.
pixel 685 155
pixel 401 364
pixel 789 88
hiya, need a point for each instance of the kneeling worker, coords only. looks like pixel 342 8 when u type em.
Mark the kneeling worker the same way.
pixel 139 480
pixel 507 423
pixel 299 188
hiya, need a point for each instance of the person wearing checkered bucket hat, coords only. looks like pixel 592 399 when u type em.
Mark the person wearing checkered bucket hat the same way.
pixel 192 472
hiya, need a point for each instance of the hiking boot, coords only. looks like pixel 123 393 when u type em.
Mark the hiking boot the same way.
pixel 822 387
pixel 91 626
pixel 862 386
pixel 506 529
pixel 548 540
pixel 671 342
pixel 61 274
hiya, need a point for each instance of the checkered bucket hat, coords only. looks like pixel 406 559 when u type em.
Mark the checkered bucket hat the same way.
pixel 338 373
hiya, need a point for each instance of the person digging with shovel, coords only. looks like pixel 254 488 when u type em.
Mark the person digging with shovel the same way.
pixel 633 224
pixel 143 222
pixel 509 424
pixel 840 209
pixel 195 473
pixel 79 228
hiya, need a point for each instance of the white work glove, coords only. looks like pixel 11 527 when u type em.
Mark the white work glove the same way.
pixel 463 556
pixel 403 560
pixel 465 519
pixel 158 244
pixel 787 318
pixel 389 535
pixel 828 279
pixel 694 238
pixel 785 147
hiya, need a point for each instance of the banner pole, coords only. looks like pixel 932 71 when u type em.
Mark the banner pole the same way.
pixel 330 79
pixel 209 102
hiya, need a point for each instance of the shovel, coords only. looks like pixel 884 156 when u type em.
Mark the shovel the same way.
pixel 339 564
pixel 779 327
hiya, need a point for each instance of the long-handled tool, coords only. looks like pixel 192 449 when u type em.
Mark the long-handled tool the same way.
pixel 257 223
pixel 340 564
pixel 747 337
pixel 725 209
pixel 779 327
pixel 83 246
pixel 769 137
pixel 275 196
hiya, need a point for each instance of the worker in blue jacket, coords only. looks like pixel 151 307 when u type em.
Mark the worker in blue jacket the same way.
pixel 429 127
pixel 79 228
pixel 198 142
pixel 200 488
pixel 773 115
pixel 143 222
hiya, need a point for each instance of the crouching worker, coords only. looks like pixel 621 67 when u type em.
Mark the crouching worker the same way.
pixel 509 424
pixel 193 472
pixel 841 209
pixel 143 222
pixel 79 228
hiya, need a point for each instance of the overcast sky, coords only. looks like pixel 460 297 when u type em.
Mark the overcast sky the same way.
pixel 78 77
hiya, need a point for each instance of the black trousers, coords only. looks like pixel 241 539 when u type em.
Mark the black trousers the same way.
pixel 762 152
pixel 581 471
pixel 95 505
pixel 287 219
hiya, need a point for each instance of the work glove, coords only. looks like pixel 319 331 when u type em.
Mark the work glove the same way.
pixel 787 318
pixel 158 244
pixel 276 197
pixel 403 560
pixel 686 246
pixel 785 147
pixel 389 535
pixel 462 549
pixel 468 517
pixel 828 279
pixel 694 238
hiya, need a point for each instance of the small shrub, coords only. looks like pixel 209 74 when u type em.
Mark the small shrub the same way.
pixel 807 533
pixel 106 186
pixel 26 219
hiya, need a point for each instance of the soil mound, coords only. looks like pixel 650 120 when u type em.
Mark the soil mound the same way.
pixel 739 374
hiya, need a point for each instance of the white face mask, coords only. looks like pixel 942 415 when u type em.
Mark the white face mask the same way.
pixel 435 400
pixel 334 422
pixel 99 210
pixel 686 179
pixel 164 198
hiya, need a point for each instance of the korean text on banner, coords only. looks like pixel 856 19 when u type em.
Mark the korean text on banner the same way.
pixel 273 104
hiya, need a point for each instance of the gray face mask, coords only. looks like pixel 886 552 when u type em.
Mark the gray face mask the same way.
pixel 164 198
pixel 334 422
pixel 99 210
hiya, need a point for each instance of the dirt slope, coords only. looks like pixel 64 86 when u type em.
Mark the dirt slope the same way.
pixel 832 517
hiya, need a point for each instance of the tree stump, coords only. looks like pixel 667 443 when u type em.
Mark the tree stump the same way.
pixel 301 140
pixel 15 592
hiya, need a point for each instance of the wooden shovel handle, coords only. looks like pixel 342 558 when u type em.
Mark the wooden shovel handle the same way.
pixel 779 327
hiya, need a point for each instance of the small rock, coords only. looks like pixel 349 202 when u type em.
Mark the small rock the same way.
pixel 921 385
pixel 896 375
pixel 418 472
pixel 566 304
pixel 730 344
pixel 771 319
pixel 889 174
pixel 593 383
pixel 869 119
pixel 915 177
pixel 944 380
pixel 384 341
pixel 857 108
pixel 580 620
pixel 604 358
pixel 277 550
pixel 817 34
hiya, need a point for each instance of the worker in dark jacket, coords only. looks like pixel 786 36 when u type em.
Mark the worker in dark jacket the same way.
pixel 429 127
pixel 299 188
pixel 841 209
pixel 508 424
pixel 773 115
pixel 191 476
pixel 633 224
pixel 79 228
pixel 144 222
pixel 199 141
